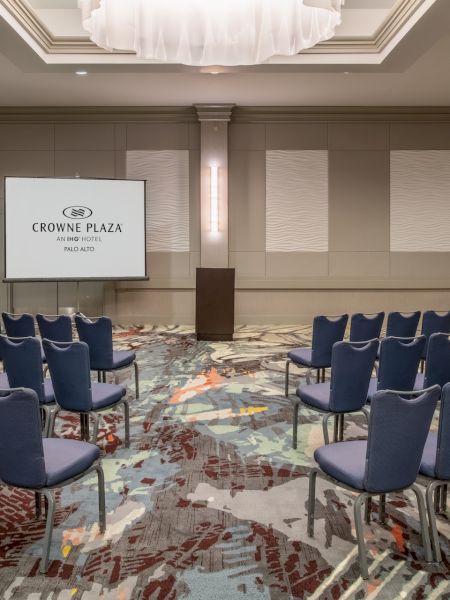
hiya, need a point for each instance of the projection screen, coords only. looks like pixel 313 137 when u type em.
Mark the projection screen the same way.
pixel 74 229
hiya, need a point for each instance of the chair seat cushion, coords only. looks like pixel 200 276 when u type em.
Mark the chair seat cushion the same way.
pixel 316 395
pixel 67 458
pixel 420 381
pixel 123 358
pixel 344 461
pixel 428 463
pixel 4 383
pixel 301 356
pixel 49 394
pixel 373 384
pixel 106 394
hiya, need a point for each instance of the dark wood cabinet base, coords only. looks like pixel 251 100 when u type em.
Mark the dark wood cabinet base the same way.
pixel 214 310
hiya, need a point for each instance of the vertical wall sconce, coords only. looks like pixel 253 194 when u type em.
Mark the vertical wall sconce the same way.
pixel 214 199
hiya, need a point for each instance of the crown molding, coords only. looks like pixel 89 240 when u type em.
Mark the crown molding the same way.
pixel 214 112
pixel 51 45
pixel 294 114
pixel 160 114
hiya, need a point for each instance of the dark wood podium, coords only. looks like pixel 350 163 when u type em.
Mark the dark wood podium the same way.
pixel 214 309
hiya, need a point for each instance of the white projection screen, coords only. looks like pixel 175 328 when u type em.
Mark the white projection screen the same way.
pixel 65 229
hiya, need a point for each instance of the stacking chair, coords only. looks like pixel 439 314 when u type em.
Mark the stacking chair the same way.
pixel 23 364
pixel 399 361
pixel 97 334
pixel 400 324
pixel 364 327
pixel 326 332
pixel 351 368
pixel 32 463
pixel 57 328
pixel 437 366
pixel 435 467
pixel 434 322
pixel 387 462
pixel 74 392
pixel 20 326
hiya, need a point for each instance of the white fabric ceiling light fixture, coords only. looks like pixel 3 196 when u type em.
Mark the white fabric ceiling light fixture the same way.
pixel 210 32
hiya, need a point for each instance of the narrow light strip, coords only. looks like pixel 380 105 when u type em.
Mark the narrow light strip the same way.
pixel 214 199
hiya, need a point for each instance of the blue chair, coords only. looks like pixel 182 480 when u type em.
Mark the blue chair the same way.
pixel 326 332
pixel 20 326
pixel 400 324
pixel 364 327
pixel 399 361
pixel 29 462
pixel 434 322
pixel 74 392
pixel 435 467
pixel 57 328
pixel 351 368
pixel 387 462
pixel 97 334
pixel 437 365
pixel 23 364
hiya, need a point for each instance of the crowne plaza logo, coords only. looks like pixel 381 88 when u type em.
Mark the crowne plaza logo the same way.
pixel 77 212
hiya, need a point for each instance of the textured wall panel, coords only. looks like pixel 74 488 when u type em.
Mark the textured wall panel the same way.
pixel 420 201
pixel 296 201
pixel 167 175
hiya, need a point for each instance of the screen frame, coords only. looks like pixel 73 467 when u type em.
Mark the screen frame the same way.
pixel 73 279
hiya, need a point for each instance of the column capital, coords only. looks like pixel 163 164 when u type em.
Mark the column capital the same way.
pixel 214 112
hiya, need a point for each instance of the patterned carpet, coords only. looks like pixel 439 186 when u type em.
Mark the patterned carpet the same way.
pixel 209 502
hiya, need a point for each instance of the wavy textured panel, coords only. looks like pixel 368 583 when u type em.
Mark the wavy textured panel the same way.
pixel 297 201
pixel 420 201
pixel 167 175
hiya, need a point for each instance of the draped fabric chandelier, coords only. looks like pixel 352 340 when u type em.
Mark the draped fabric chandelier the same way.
pixel 210 32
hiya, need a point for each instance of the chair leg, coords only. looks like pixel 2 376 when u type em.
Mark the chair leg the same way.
pixel 429 494
pixel 444 490
pixel 341 427
pixel 286 379
pixel 48 531
pixel 101 499
pixel 336 428
pixel 360 535
pixel 423 523
pixel 326 437
pixel 51 425
pixel 437 500
pixel 38 504
pixel 308 376
pixel 94 429
pixel 126 410
pixel 382 509
pixel 311 501
pixel 317 375
pixel 136 378
pixel 99 376
pixel 295 425
pixel 103 376
pixel 323 375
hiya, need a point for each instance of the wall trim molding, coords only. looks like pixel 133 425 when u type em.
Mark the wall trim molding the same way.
pixel 239 114
pixel 160 114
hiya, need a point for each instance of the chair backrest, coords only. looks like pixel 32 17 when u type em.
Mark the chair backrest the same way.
pixel 19 326
pixel 398 428
pixel 443 442
pixel 437 368
pixel 326 332
pixel 434 322
pixel 399 361
pixel 365 327
pixel 57 328
pixel 22 360
pixel 68 363
pixel 401 324
pixel 351 368
pixel 97 334
pixel 21 451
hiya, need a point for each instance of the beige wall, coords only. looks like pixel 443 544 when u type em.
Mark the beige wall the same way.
pixel 357 273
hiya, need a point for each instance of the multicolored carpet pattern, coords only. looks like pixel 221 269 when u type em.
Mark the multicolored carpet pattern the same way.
pixel 209 502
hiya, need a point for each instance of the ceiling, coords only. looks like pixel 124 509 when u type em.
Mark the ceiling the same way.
pixel 385 53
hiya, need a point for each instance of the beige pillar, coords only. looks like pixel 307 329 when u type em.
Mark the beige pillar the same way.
pixel 214 119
